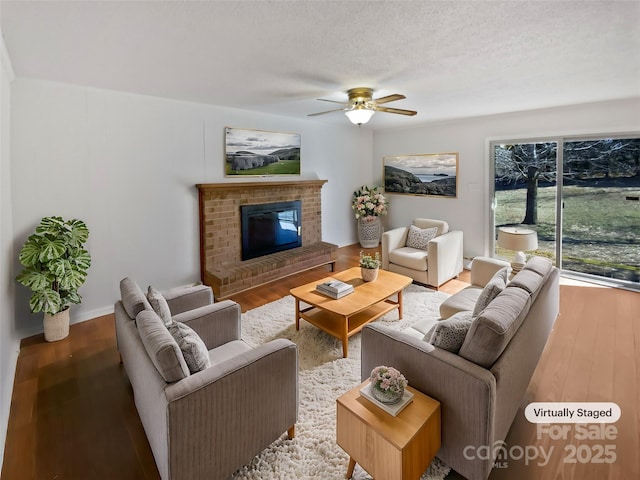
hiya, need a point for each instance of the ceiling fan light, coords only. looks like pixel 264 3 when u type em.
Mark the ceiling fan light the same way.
pixel 359 115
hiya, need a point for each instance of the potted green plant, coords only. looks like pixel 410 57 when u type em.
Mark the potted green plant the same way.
pixel 55 266
pixel 369 266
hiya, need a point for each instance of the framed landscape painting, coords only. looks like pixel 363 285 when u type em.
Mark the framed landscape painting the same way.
pixel 259 152
pixel 433 174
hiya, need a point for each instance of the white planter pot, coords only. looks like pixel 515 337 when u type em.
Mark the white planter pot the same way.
pixel 56 327
pixel 369 231
pixel 369 274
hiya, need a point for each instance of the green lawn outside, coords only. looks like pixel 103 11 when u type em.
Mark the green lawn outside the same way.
pixel 283 167
pixel 601 228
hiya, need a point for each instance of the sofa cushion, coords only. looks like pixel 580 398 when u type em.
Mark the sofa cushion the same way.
pixel 541 265
pixel 413 258
pixel 493 329
pixel 532 277
pixel 527 280
pixel 193 349
pixel 161 347
pixel 159 305
pixel 491 290
pixel 133 299
pixel 449 334
pixel 420 237
pixel 464 300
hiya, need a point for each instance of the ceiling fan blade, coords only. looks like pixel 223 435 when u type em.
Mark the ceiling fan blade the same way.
pixel 389 98
pixel 396 110
pixel 328 111
pixel 333 101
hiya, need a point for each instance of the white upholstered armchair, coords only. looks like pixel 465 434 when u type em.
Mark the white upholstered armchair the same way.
pixel 426 251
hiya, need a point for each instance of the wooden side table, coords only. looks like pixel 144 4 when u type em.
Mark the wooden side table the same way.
pixel 388 447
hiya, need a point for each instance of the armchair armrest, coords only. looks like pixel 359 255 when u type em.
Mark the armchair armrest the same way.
pixel 445 257
pixel 392 239
pixel 215 324
pixel 221 417
pixel 181 299
pixel 466 391
pixel 484 268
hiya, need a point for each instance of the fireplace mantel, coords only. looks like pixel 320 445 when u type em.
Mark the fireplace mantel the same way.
pixel 221 265
pixel 230 186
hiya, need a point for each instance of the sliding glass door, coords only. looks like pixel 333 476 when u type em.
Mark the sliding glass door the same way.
pixel 525 192
pixel 581 196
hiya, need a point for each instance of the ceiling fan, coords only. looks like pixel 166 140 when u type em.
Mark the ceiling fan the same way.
pixel 361 105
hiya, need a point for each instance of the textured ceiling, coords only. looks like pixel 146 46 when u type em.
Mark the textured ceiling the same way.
pixel 450 58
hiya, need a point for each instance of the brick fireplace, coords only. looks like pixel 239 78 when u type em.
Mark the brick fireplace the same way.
pixel 221 264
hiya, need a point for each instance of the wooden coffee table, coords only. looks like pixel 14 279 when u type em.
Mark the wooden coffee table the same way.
pixel 388 447
pixel 348 315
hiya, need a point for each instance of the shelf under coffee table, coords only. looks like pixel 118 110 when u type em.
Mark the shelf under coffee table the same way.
pixel 346 316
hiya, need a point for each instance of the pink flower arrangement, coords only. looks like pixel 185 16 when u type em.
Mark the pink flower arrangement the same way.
pixel 388 379
pixel 368 201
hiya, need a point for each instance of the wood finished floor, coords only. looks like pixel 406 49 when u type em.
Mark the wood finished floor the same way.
pixel 73 417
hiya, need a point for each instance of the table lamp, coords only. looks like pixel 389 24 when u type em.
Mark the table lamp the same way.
pixel 519 240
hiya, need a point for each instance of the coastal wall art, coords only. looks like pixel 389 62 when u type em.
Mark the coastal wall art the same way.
pixel 434 174
pixel 260 152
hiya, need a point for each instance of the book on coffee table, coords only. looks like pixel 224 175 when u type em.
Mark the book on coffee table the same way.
pixel 334 288
pixel 332 294
pixel 394 409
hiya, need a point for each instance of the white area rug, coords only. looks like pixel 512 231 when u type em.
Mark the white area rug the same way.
pixel 324 376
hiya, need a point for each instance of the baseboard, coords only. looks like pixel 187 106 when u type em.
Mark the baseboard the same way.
pixel 8 377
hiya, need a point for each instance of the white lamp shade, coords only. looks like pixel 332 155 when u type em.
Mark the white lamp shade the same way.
pixel 517 239
pixel 359 115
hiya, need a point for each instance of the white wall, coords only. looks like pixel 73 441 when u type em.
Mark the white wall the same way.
pixel 9 338
pixel 127 165
pixel 470 137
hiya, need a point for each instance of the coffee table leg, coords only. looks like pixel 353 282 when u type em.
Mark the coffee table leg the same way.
pixel 345 338
pixel 297 314
pixel 352 465
pixel 400 304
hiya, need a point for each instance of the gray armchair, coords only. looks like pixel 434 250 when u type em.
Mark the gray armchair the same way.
pixel 204 425
pixel 438 262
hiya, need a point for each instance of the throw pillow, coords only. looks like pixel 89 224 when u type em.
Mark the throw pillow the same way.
pixel 193 349
pixel 161 347
pixel 420 237
pixel 159 305
pixel 491 290
pixel 449 334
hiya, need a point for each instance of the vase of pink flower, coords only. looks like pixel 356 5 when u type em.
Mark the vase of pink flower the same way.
pixel 387 384
pixel 369 205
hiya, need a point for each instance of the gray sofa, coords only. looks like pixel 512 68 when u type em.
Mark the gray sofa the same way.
pixel 481 386
pixel 204 425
